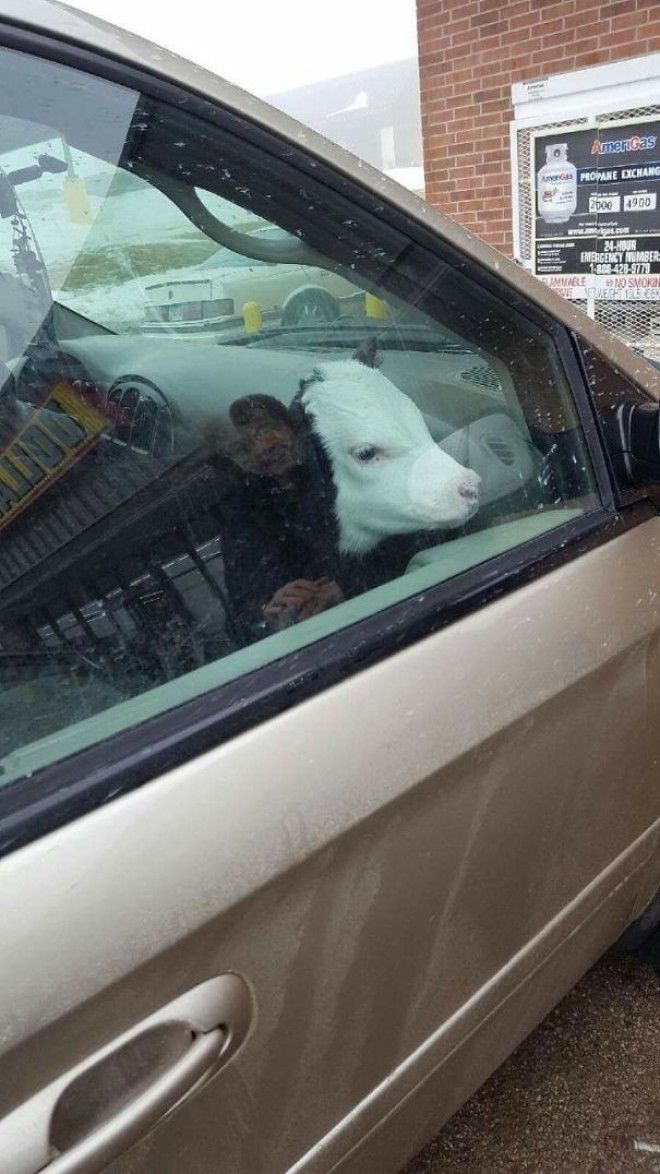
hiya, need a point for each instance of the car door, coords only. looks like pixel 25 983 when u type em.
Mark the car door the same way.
pixel 281 899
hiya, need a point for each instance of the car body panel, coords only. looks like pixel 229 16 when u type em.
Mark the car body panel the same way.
pixel 353 875
pixel 486 1037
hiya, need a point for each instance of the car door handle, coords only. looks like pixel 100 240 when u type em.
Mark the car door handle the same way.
pixel 86 1118
pixel 96 1151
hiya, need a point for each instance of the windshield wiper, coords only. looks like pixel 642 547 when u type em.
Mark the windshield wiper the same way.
pixel 346 335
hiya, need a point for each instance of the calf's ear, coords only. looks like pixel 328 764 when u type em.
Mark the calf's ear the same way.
pixel 366 353
pixel 296 408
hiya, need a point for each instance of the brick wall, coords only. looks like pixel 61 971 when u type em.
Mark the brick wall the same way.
pixel 470 52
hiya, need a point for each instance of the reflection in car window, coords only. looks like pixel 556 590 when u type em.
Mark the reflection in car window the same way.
pixel 236 412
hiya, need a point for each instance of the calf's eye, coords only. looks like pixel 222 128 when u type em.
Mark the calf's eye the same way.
pixel 367 453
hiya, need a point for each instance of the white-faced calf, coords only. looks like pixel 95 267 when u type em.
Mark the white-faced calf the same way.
pixel 390 476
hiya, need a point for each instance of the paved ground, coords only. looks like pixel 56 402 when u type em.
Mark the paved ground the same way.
pixel 580 1096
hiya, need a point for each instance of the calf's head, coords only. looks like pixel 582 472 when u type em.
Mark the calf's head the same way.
pixel 390 476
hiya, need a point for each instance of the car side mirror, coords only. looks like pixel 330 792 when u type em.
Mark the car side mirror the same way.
pixel 637 441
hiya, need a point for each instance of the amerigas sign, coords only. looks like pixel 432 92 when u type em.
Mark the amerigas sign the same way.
pixel 596 213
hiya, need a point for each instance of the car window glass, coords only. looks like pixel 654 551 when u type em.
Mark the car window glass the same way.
pixel 238 412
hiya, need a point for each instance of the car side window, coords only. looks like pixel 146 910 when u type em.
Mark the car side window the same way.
pixel 238 412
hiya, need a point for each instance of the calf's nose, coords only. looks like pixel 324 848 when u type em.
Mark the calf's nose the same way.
pixel 468 490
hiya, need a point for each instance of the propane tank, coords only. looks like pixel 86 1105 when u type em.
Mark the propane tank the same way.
pixel 557 185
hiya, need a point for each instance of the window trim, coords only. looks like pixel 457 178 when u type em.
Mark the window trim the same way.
pixel 625 494
pixel 586 413
pixel 65 790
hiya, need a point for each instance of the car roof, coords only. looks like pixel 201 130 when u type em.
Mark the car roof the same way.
pixel 91 33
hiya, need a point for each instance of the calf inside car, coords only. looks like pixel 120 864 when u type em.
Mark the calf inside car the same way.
pixel 329 642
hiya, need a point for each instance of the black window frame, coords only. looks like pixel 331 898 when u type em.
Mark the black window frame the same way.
pixel 66 789
pixel 607 386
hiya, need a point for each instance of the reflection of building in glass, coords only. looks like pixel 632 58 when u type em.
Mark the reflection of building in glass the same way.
pixel 111 572
pixel 374 113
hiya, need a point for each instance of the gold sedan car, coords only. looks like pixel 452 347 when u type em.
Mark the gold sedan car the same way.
pixel 330 650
